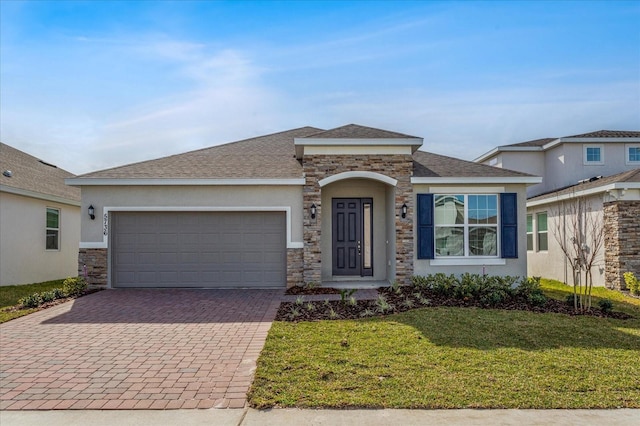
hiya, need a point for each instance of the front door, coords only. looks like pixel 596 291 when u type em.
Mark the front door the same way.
pixel 352 236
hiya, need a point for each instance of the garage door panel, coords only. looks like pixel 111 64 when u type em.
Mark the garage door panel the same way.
pixel 198 249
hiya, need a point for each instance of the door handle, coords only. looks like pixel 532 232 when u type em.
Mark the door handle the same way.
pixel 359 248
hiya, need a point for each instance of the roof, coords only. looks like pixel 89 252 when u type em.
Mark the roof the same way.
pixel 631 176
pixel 31 175
pixel 273 157
pixel 355 131
pixel 608 134
pixel 263 157
pixel 546 143
pixel 427 164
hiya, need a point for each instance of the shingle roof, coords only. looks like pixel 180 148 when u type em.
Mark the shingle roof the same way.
pixel 265 157
pixel 273 157
pixel 30 174
pixel 355 131
pixel 426 164
pixel 608 134
pixel 628 176
pixel 536 142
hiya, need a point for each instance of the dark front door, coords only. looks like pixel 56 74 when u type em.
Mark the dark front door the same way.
pixel 352 236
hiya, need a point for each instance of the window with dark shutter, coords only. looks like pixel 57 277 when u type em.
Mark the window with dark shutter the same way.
pixel 425 226
pixel 509 225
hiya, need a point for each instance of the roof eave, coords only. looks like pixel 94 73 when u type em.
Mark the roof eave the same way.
pixel 585 192
pixel 528 180
pixel 506 148
pixel 39 195
pixel 181 182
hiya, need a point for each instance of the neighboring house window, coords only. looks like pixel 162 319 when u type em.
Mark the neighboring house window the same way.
pixel 543 242
pixel 593 154
pixel 633 154
pixel 466 225
pixel 529 232
pixel 53 229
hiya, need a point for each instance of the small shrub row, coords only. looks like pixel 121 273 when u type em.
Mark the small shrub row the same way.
pixel 632 282
pixel 71 287
pixel 487 289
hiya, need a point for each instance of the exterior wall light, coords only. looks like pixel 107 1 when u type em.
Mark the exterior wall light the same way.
pixel 313 211
pixel 404 211
pixel 92 212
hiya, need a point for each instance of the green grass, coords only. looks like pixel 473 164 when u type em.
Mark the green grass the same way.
pixel 9 296
pixel 455 358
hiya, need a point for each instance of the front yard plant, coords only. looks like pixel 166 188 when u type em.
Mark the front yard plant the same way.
pixel 456 357
pixel 20 300
pixel 632 282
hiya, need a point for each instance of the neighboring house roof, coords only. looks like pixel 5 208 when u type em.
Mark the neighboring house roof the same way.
pixel 33 177
pixel 626 180
pixel 273 157
pixel 606 136
pixel 355 131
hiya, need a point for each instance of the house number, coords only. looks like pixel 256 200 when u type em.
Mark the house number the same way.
pixel 105 224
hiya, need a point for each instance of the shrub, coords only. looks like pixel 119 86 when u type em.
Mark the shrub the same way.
pixel 538 299
pixel 346 293
pixel 74 286
pixel 48 296
pixel 58 293
pixel 605 305
pixel 632 282
pixel 32 301
pixel 570 299
pixel 529 290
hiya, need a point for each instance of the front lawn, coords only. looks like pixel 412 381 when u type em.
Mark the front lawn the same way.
pixel 448 357
pixel 9 296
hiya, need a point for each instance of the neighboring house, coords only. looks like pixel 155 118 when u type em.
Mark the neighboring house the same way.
pixel 602 169
pixel 39 220
pixel 302 206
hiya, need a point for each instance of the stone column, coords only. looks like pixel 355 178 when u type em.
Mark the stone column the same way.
pixel 622 241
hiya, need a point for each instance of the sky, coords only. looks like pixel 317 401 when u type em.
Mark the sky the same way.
pixel 97 84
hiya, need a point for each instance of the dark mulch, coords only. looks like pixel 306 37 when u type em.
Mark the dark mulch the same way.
pixel 407 299
pixel 311 290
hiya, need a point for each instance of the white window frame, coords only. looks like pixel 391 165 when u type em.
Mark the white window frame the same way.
pixel 57 229
pixel 531 233
pixel 627 157
pixel 586 147
pixel 466 226
pixel 538 232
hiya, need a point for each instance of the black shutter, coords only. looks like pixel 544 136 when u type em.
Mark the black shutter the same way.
pixel 425 226
pixel 509 224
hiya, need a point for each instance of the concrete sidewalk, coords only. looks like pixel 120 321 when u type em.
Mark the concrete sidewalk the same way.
pixel 251 417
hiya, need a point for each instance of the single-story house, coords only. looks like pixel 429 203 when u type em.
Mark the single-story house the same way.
pixel 306 205
pixel 39 220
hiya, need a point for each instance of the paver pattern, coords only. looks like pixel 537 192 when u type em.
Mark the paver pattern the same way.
pixel 137 349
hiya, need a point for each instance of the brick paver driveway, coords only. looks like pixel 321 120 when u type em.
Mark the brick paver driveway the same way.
pixel 140 349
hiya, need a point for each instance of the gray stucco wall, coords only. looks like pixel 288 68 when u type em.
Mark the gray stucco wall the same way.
pixel 23 257
pixel 514 267
pixel 188 196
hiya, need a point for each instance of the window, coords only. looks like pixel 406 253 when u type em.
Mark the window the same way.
pixel 451 226
pixel 593 155
pixel 633 154
pixel 529 232
pixel 543 243
pixel 53 229
pixel 466 225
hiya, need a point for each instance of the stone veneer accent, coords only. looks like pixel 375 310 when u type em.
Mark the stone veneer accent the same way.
pixel 96 263
pixel 318 167
pixel 622 241
pixel 295 266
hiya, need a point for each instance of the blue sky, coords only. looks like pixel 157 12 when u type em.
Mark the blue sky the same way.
pixel 91 85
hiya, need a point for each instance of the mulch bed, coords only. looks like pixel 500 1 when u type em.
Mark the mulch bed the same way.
pixel 406 299
pixel 52 303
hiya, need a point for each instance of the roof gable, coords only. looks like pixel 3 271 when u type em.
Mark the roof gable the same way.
pixel 355 131
pixel 427 164
pixel 31 175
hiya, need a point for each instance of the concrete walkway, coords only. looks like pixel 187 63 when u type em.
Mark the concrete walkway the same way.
pixel 250 417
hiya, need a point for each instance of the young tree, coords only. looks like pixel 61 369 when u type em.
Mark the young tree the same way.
pixel 579 233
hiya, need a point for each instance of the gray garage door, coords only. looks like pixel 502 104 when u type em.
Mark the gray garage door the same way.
pixel 198 249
